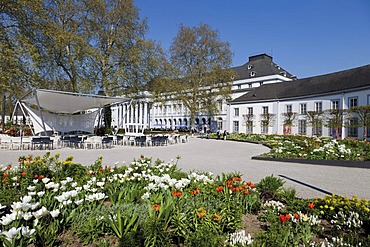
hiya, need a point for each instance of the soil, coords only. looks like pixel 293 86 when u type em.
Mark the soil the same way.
pixel 252 224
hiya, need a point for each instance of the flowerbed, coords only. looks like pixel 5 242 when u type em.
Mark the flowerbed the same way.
pixel 303 147
pixel 48 202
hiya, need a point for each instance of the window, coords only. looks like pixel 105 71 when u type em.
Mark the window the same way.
pixel 236 126
pixel 265 109
pixel 250 110
pixel 352 102
pixel 335 104
pixel 318 106
pixel 264 127
pixel 252 74
pixel 239 86
pixel 352 129
pixel 220 105
pixel 249 126
pixel 302 127
pixel 302 109
pixel 236 112
pixel 317 128
pixel 288 108
pixel 219 123
pixel 250 85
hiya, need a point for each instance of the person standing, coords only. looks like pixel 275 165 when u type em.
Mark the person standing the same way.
pixel 202 133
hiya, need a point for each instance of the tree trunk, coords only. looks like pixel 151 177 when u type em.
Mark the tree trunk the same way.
pixel 3 113
pixel 365 133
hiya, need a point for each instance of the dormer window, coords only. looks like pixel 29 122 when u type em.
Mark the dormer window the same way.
pixel 283 73
pixel 250 66
pixel 252 74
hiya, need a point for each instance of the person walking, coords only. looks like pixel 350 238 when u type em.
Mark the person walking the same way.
pixel 225 134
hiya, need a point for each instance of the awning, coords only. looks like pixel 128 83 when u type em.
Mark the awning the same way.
pixel 65 111
pixel 70 103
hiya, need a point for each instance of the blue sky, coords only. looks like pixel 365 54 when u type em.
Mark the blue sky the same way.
pixel 305 37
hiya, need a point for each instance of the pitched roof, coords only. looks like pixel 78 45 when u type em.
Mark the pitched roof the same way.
pixel 260 65
pixel 334 82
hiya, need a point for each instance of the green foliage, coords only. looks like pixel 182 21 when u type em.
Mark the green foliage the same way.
pixel 304 147
pixel 205 236
pixel 142 204
pixel 96 218
pixel 269 187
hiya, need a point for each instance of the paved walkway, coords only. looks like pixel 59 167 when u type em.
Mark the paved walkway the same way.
pixel 218 156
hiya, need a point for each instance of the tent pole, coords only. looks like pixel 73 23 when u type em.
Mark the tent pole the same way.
pixel 24 114
pixel 42 118
pixel 99 119
pixel 15 108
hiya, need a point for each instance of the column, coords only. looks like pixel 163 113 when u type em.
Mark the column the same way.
pixel 145 120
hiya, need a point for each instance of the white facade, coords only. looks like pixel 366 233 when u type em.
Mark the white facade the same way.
pixel 146 114
pixel 341 100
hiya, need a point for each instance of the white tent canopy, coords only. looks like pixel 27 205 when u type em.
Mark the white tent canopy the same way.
pixel 65 111
pixel 70 103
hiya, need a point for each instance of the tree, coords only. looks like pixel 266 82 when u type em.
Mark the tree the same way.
pixel 16 74
pixel 266 121
pixel 314 119
pixel 200 63
pixel 335 120
pixel 65 45
pixel 248 120
pixel 122 61
pixel 288 121
pixel 362 113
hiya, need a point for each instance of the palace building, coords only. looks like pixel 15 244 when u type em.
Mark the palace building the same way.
pixel 145 113
pixel 265 98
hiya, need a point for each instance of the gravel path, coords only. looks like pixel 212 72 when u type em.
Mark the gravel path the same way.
pixel 218 156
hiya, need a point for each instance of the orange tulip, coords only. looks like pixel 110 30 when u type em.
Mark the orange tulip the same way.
pixel 176 193
pixel 216 217
pixel 282 218
pixel 24 174
pixel 219 189
pixel 311 205
pixel 156 207
pixel 5 175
